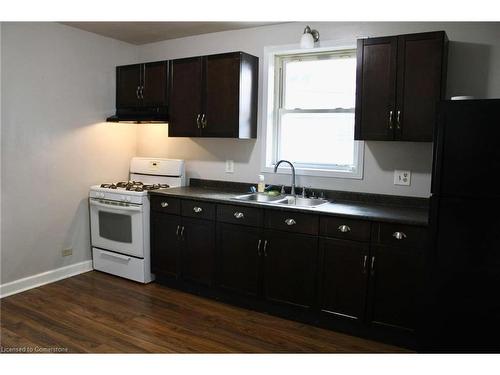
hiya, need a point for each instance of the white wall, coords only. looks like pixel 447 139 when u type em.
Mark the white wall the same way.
pixel 474 69
pixel 58 85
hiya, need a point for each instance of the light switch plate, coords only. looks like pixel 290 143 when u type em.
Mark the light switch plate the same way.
pixel 402 177
pixel 229 166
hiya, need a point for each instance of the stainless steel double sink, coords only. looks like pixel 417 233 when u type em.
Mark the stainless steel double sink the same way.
pixel 283 200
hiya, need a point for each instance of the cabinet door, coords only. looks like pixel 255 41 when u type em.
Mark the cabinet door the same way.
pixel 394 278
pixel 154 83
pixel 165 244
pixel 420 84
pixel 344 277
pixel 376 88
pixel 239 255
pixel 198 248
pixel 128 81
pixel 222 96
pixel 185 97
pixel 290 267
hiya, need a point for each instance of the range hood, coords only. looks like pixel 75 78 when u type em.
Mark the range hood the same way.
pixel 140 115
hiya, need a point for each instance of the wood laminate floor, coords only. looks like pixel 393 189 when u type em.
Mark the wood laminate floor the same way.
pixel 99 313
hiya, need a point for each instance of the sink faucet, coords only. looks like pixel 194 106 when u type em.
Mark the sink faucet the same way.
pixel 292 192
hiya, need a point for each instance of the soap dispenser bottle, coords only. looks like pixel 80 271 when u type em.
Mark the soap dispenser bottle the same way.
pixel 261 186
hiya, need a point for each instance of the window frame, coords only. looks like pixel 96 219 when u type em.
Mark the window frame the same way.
pixel 274 98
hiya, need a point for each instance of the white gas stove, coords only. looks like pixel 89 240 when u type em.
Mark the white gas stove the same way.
pixel 119 217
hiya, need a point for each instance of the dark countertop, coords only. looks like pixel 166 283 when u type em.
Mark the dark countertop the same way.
pixel 350 209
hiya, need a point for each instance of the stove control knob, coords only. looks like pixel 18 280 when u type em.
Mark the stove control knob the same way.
pixel 128 199
pixel 123 198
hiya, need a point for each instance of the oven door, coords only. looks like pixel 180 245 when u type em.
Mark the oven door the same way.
pixel 117 228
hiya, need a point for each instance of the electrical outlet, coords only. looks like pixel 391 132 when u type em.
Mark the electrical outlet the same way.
pixel 67 252
pixel 402 178
pixel 229 166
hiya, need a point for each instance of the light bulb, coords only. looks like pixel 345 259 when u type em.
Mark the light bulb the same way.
pixel 307 41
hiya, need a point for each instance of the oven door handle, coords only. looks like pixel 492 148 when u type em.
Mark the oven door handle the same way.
pixel 115 207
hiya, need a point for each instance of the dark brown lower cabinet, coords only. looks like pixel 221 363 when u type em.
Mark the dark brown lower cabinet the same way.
pixel 343 277
pixel 393 288
pixel 290 263
pixel 238 258
pixel 198 250
pixel 372 277
pixel 165 244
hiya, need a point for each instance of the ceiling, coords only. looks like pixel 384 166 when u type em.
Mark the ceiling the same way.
pixel 149 32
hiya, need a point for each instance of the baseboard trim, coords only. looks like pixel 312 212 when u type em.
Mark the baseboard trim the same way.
pixel 30 282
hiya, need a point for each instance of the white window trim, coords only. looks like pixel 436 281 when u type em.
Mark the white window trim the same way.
pixel 268 114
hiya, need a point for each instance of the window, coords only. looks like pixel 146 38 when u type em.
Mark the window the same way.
pixel 312 121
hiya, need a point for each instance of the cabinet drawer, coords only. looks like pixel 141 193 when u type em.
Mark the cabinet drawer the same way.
pixel 239 215
pixel 166 204
pixel 348 229
pixel 292 222
pixel 197 209
pixel 400 235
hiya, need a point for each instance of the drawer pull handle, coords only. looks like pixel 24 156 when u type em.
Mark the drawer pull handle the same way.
pixel 372 267
pixel 344 228
pixel 399 235
pixel 290 222
pixel 164 204
pixel 265 248
pixel 239 215
pixel 258 248
pixel 365 258
pixel 197 209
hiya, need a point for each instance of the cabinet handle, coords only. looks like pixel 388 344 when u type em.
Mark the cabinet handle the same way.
pixel 198 120
pixel 258 247
pixel 265 248
pixel 203 121
pixel 177 231
pixel 372 267
pixel 290 222
pixel 365 259
pixel 164 204
pixel 344 228
pixel 137 92
pixel 239 215
pixel 399 235
pixel 182 231
pixel 398 120
pixel 390 119
pixel 197 209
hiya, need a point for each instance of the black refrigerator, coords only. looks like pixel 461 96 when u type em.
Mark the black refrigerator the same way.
pixel 462 298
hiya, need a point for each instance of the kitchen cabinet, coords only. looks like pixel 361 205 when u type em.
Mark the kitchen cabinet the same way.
pixel 396 266
pixel 198 248
pixel 214 96
pixel 142 85
pixel 186 99
pixel 239 253
pixel 323 268
pixel 399 81
pixel 165 245
pixel 343 277
pixel 182 247
pixel 290 268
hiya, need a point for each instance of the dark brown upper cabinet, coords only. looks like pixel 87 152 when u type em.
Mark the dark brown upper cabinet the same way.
pixel 399 81
pixel 142 92
pixel 214 96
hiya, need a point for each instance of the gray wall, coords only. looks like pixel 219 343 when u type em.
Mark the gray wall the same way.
pixel 57 88
pixel 474 69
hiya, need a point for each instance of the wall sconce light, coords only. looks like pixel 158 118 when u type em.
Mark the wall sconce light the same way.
pixel 309 38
